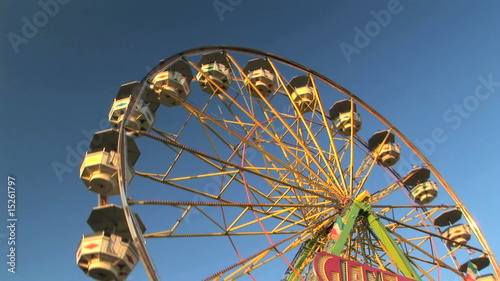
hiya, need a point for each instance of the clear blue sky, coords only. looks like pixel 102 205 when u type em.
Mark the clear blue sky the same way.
pixel 58 80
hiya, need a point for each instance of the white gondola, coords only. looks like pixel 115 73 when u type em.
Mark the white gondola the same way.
pixel 343 120
pixel 388 154
pixel 141 117
pixel 385 150
pixel 425 193
pixel 106 257
pixel 212 73
pixel 302 93
pixel 303 97
pixel 171 87
pixel 263 80
pixel 99 172
pixel 458 234
pixel 344 124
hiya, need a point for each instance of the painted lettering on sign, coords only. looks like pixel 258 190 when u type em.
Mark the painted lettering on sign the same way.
pixel 333 268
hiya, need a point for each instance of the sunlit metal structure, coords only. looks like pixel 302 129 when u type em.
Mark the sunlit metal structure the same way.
pixel 273 157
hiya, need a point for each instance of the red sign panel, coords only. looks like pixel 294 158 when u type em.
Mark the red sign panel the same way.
pixel 333 268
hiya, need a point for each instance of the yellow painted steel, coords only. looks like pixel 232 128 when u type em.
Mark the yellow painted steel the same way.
pixel 287 126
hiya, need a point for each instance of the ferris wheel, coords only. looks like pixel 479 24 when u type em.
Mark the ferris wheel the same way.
pixel 236 163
